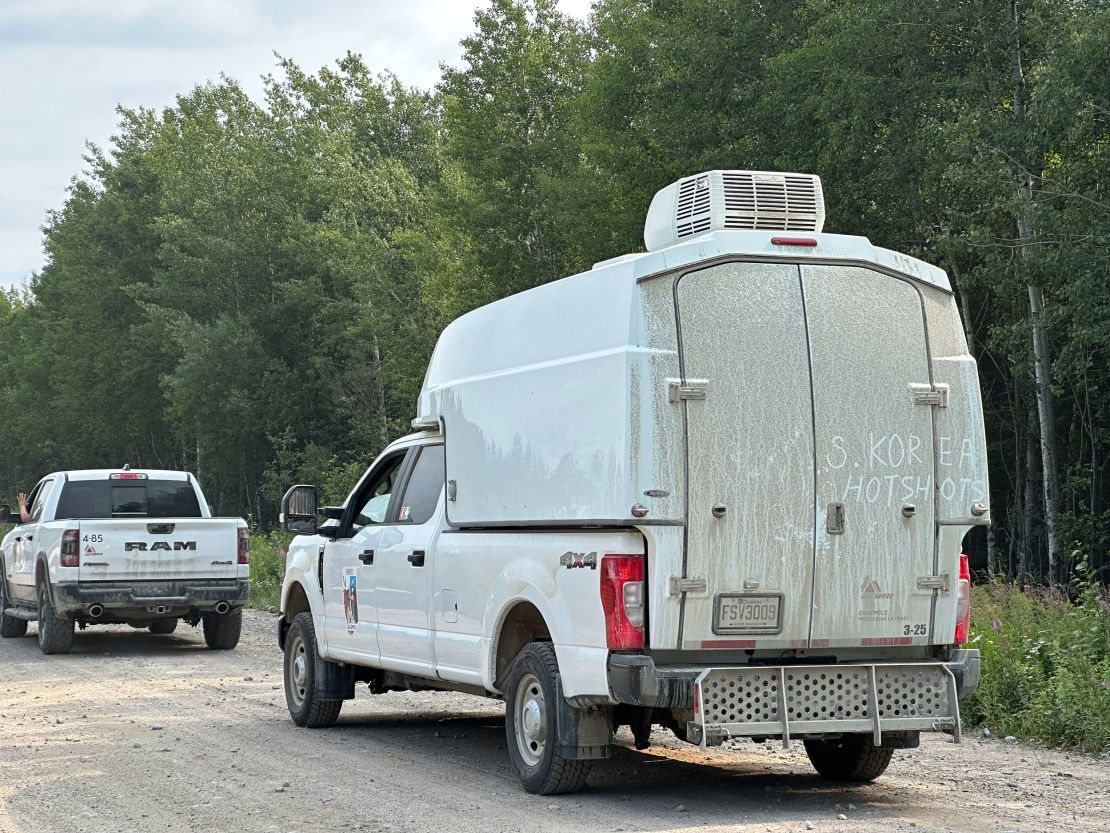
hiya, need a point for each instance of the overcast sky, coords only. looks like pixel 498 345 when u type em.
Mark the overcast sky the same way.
pixel 66 64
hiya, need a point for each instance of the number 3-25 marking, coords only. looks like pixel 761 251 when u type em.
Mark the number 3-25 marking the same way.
pixel 915 630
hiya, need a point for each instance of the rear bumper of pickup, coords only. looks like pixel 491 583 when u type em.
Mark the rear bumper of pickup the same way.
pixel 140 599
pixel 773 700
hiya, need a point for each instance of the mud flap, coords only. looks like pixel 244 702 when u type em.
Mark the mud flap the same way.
pixel 336 682
pixel 584 734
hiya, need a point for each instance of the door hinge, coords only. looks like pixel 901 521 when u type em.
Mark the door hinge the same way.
pixel 942 583
pixel 930 395
pixel 693 389
pixel 688 585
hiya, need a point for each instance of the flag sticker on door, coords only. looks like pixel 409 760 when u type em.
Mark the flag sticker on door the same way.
pixel 350 597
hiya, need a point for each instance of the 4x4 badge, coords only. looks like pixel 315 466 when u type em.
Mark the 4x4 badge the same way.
pixel 571 560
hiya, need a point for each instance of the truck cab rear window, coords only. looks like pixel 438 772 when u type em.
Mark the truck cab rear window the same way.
pixel 132 499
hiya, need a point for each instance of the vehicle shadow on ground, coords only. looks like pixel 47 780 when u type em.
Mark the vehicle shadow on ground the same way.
pixel 122 642
pixel 746 780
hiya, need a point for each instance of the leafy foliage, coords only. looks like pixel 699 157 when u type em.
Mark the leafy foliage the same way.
pixel 251 289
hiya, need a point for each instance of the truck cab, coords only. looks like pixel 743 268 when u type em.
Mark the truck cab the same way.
pixel 722 486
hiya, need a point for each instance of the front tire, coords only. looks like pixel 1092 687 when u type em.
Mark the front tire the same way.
pixel 531 730
pixel 306 707
pixel 55 631
pixel 222 630
pixel 10 626
pixel 164 627
pixel 848 758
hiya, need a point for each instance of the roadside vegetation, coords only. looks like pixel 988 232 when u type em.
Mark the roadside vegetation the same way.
pixel 1046 664
pixel 267 569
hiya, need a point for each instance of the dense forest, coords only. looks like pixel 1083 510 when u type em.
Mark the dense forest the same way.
pixel 250 289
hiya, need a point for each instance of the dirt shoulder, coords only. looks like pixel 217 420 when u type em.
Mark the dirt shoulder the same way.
pixel 136 732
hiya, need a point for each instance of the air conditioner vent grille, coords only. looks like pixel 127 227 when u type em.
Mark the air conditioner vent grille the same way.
pixel 740 200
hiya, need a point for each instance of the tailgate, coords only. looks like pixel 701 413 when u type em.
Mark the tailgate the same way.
pixel 163 548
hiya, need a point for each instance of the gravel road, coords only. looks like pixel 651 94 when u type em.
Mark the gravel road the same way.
pixel 135 732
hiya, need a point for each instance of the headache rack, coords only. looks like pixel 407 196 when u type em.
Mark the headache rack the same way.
pixel 786 701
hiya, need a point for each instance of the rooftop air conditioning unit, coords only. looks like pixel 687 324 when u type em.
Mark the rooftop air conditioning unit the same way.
pixel 728 200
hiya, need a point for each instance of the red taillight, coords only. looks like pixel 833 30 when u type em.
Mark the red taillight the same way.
pixel 963 601
pixel 71 554
pixel 622 599
pixel 244 546
pixel 793 241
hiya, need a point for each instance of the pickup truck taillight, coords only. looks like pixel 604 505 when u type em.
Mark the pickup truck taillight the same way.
pixel 71 552
pixel 622 599
pixel 244 546
pixel 963 601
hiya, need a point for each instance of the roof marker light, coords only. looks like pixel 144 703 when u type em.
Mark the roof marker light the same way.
pixel 793 241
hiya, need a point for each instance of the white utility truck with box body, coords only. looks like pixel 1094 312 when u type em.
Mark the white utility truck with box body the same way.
pixel 720 486
pixel 107 546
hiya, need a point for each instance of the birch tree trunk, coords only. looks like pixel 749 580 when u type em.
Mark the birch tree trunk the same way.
pixel 1042 361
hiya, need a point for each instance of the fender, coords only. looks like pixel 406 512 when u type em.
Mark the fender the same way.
pixel 45 562
pixel 302 569
pixel 522 581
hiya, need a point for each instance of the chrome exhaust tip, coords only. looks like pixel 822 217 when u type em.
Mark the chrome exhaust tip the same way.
pixel 95 611
pixel 222 607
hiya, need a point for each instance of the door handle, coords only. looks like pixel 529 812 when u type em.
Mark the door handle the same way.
pixel 29 538
pixel 366 557
pixel 417 558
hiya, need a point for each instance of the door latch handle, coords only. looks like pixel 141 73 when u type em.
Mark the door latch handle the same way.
pixel 417 558
pixel 366 557
pixel 834 519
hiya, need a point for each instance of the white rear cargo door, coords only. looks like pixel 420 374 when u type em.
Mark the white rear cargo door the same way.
pixel 874 459
pixel 750 519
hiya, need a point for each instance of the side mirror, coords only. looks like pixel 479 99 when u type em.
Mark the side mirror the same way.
pixel 6 515
pixel 298 510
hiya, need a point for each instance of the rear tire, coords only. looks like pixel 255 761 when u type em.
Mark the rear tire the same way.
pixel 10 626
pixel 55 631
pixel 531 730
pixel 222 630
pixel 848 758
pixel 163 627
pixel 306 706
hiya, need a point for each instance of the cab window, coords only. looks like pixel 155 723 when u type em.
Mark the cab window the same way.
pixel 373 498
pixel 38 500
pixel 425 484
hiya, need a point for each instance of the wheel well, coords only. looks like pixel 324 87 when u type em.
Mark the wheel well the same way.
pixel 296 602
pixel 523 624
pixel 40 572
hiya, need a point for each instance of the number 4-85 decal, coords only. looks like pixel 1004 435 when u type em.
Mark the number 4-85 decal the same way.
pixel 94 538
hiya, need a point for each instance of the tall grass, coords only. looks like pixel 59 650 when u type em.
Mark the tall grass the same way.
pixel 1046 664
pixel 267 569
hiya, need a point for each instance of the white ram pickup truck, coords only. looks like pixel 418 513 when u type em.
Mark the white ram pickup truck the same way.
pixel 721 486
pixel 121 546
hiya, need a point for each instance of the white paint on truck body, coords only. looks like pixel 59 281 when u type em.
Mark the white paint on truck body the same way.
pixel 559 409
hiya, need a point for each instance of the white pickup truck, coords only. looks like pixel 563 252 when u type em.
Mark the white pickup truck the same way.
pixel 721 486
pixel 121 546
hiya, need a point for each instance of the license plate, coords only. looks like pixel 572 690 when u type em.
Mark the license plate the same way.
pixel 745 613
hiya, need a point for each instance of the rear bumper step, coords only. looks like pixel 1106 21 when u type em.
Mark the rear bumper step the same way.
pixel 786 701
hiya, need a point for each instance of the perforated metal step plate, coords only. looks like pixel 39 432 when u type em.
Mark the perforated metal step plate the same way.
pixel 808 699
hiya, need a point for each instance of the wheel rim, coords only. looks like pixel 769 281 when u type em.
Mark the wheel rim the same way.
pixel 296 670
pixel 530 711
